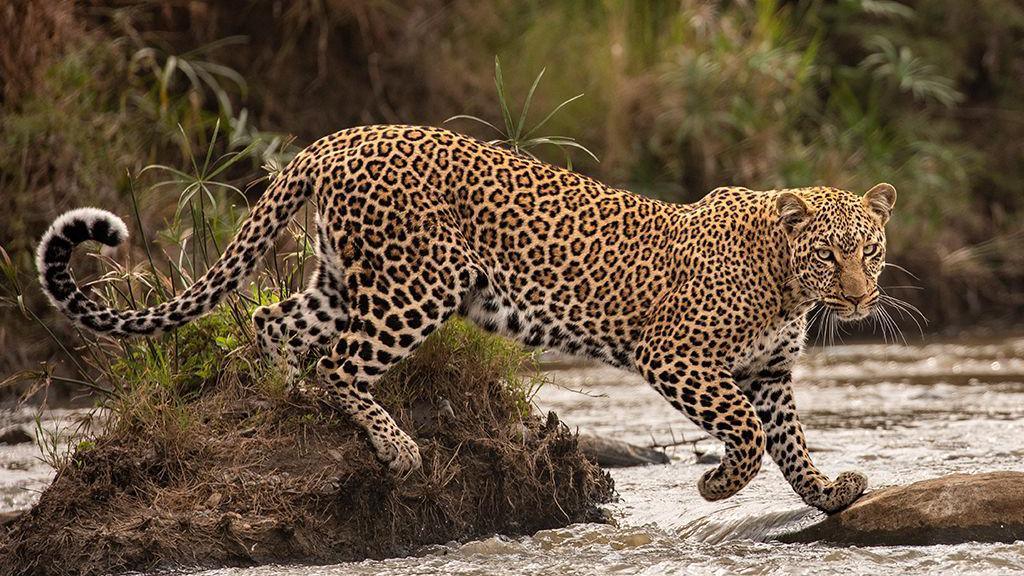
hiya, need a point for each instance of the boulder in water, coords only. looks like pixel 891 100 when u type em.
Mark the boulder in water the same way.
pixel 987 507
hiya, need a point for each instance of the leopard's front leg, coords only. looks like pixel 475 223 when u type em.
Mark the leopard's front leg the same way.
pixel 770 392
pixel 682 358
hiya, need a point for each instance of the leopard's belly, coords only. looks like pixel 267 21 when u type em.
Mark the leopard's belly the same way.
pixel 552 326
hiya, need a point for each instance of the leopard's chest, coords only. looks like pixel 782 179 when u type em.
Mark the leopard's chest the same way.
pixel 775 344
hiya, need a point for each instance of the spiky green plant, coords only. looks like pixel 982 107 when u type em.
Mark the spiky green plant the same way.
pixel 200 73
pixel 515 135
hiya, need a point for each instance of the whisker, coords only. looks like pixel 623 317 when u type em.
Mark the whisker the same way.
pixel 904 287
pixel 903 304
pixel 896 328
pixel 901 268
pixel 883 321
pixel 893 326
pixel 831 327
pixel 905 309
pixel 840 330
pixel 888 321
pixel 826 340
pixel 815 317
pixel 811 317
pixel 823 326
pixel 879 325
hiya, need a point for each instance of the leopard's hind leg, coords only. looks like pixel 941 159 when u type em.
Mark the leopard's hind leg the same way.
pixel 395 310
pixel 309 319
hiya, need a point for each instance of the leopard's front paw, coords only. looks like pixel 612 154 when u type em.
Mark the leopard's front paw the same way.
pixel 397 450
pixel 845 490
pixel 716 484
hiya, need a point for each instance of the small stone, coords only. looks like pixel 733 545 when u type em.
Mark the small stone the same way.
pixel 15 435
pixel 214 500
pixel 8 518
pixel 524 432
pixel 445 409
pixel 605 516
pixel 707 458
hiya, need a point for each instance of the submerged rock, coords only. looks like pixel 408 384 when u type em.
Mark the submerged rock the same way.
pixel 611 453
pixel 986 507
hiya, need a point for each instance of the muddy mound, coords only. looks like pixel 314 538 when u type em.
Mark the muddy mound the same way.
pixel 957 508
pixel 237 475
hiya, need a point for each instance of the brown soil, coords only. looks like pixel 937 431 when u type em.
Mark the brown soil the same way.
pixel 252 479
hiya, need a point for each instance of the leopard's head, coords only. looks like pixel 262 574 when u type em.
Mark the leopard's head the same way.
pixel 837 245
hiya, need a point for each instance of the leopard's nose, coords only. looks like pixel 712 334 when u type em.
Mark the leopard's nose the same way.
pixel 856 300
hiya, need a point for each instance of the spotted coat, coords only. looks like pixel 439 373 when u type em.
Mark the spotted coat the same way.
pixel 708 301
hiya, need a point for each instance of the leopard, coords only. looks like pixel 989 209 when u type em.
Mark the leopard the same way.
pixel 708 301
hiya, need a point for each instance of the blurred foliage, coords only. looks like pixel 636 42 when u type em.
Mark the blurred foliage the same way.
pixel 682 96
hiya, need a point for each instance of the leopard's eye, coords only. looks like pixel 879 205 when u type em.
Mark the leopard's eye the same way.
pixel 870 250
pixel 825 254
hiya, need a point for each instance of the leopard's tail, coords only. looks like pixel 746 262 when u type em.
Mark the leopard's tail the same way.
pixel 257 234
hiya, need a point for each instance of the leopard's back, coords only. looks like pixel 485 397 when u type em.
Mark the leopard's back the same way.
pixel 565 261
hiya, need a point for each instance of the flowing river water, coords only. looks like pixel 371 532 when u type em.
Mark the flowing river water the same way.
pixel 897 413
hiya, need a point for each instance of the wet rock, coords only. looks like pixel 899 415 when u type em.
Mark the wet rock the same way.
pixel 707 457
pixel 986 507
pixel 611 453
pixel 15 435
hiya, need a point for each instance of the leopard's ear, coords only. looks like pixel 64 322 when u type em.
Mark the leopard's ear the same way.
pixel 880 200
pixel 793 211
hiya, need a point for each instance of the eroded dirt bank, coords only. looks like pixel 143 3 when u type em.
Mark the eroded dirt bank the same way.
pixel 233 474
